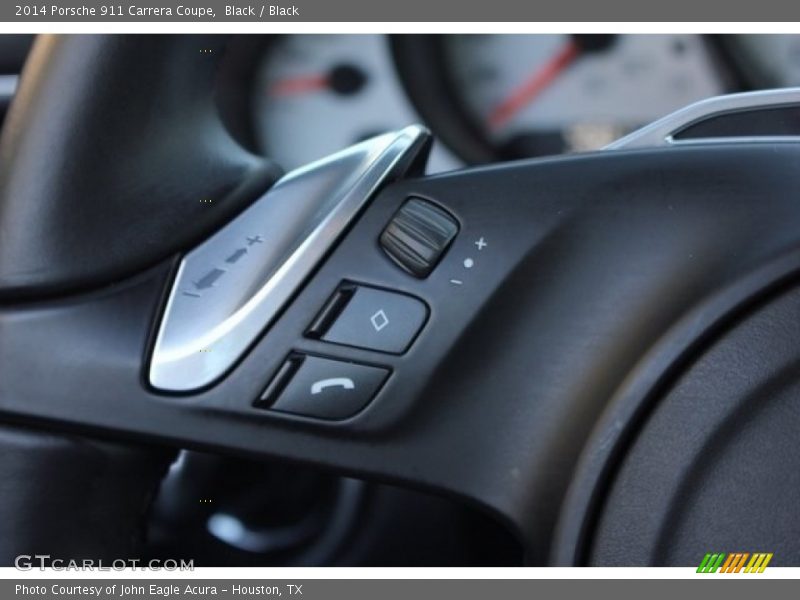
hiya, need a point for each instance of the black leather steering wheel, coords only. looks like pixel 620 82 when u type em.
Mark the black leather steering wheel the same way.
pixel 600 349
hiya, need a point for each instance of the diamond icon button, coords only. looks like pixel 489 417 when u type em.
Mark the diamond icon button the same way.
pixel 379 320
pixel 376 320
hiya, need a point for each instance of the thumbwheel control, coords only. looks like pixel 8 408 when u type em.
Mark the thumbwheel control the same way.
pixel 418 235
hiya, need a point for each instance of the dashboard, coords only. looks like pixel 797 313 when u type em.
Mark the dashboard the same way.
pixel 491 97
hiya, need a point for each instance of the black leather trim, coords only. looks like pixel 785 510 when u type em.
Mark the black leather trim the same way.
pixel 73 498
pixel 108 151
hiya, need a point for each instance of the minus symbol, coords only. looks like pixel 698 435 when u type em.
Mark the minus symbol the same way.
pixel 236 255
pixel 456 281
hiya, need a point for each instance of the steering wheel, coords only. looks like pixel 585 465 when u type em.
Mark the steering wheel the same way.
pixel 601 350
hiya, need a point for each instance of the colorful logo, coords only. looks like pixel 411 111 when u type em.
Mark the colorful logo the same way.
pixel 735 562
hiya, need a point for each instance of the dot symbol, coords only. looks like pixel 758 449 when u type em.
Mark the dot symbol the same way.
pixel 468 263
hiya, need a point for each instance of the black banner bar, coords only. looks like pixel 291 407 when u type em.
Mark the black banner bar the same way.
pixel 418 589
pixel 255 11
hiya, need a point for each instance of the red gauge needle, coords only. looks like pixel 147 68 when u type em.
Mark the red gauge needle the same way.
pixel 531 88
pixel 299 85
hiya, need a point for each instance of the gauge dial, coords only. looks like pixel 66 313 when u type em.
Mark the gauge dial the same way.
pixel 530 95
pixel 316 94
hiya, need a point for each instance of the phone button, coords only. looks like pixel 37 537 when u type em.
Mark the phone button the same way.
pixel 322 388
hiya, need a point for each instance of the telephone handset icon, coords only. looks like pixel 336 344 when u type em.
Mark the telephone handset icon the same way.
pixel 342 382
